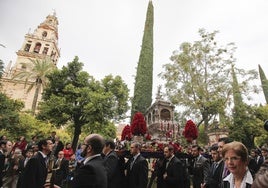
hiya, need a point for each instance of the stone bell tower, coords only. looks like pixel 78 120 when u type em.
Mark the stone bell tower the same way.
pixel 41 44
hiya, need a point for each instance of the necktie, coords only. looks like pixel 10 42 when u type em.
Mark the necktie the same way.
pixel 131 162
pixel 167 163
pixel 214 167
pixel 57 164
pixel 25 162
pixel 195 160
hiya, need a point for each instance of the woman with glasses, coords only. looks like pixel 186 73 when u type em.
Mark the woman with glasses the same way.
pixel 235 156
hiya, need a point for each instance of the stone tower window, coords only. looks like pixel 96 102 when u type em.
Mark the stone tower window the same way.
pixel 44 34
pixel 23 66
pixel 37 47
pixel 45 50
pixel 27 47
pixel 165 115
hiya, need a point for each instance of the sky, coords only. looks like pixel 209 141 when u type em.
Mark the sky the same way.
pixel 107 35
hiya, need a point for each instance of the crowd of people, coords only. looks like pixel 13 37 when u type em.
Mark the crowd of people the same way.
pixel 96 163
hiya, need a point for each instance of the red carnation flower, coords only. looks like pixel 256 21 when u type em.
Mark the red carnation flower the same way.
pixel 138 125
pixel 190 131
pixel 126 133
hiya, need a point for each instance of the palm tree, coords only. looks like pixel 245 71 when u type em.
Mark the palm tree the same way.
pixel 1 64
pixel 35 75
pixel 1 68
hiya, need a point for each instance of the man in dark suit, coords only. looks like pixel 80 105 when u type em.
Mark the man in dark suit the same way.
pixel 200 168
pixel 35 172
pixel 221 142
pixel 214 178
pixel 173 176
pixel 111 163
pixel 92 173
pixel 136 168
pixel 255 154
pixel 2 160
pixel 22 165
pixel 60 169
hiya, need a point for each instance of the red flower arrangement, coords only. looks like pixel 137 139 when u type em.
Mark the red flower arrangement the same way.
pixel 138 125
pixel 126 133
pixel 169 134
pixel 190 131
pixel 148 136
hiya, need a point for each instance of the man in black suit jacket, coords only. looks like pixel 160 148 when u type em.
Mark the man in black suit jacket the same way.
pixel 92 173
pixel 136 168
pixel 60 169
pixel 111 163
pixel 22 165
pixel 200 168
pixel 214 178
pixel 35 172
pixel 2 160
pixel 174 174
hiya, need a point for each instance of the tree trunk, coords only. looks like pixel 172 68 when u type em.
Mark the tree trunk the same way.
pixel 77 132
pixel 205 118
pixel 37 90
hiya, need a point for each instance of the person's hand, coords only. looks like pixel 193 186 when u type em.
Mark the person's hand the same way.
pixel 203 185
pixel 165 176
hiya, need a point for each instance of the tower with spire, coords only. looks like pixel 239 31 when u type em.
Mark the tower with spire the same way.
pixel 40 45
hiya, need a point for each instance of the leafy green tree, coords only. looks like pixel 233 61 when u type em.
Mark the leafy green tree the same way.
pixel 199 80
pixel 29 122
pixel 1 65
pixel 244 127
pixel 264 83
pixel 261 114
pixel 142 97
pixel 76 98
pixel 9 112
pixel 116 87
pixel 35 75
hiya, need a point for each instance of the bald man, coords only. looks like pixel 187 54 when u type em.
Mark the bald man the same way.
pixel 92 173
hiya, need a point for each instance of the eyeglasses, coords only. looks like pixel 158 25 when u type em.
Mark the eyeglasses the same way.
pixel 232 159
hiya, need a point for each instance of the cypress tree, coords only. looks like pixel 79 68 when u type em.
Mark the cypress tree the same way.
pixel 236 129
pixel 238 100
pixel 241 129
pixel 264 83
pixel 142 97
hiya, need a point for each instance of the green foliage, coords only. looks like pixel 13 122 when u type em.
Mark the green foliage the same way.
pixel 261 113
pixel 202 136
pixel 108 130
pixel 1 68
pixel 199 80
pixel 39 128
pixel 9 112
pixel 246 125
pixel 118 89
pixel 264 84
pixel 142 97
pixel 29 122
pixel 35 75
pixel 75 98
pixel 198 77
